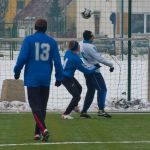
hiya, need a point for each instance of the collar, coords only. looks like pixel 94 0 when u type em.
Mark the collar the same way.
pixel 88 41
pixel 37 32
pixel 72 52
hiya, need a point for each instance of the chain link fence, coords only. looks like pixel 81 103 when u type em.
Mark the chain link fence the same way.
pixel 109 23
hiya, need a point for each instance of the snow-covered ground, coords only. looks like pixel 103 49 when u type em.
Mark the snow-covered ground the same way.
pixel 116 85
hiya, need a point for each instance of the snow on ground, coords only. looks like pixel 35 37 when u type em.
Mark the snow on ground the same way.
pixel 116 85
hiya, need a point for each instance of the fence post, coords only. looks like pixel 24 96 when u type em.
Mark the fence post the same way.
pixel 129 47
pixel 14 35
pixel 122 25
pixel 149 74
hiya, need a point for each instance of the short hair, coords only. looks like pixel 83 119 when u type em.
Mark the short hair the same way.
pixel 41 25
pixel 87 35
pixel 73 45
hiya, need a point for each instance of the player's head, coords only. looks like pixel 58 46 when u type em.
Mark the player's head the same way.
pixel 88 35
pixel 74 46
pixel 41 25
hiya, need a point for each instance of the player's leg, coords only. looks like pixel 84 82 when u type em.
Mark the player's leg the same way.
pixel 71 84
pixel 44 98
pixel 77 109
pixel 89 96
pixel 44 92
pixel 75 89
pixel 101 94
pixel 37 135
pixel 35 104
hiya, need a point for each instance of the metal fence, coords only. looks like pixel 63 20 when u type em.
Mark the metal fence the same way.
pixel 117 82
pixel 112 21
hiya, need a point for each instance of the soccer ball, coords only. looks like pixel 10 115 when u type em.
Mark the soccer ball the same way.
pixel 86 14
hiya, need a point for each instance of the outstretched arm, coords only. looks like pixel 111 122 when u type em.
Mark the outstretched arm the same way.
pixel 96 55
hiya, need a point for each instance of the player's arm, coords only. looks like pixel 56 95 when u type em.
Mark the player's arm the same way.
pixel 23 55
pixel 57 63
pixel 83 68
pixel 96 55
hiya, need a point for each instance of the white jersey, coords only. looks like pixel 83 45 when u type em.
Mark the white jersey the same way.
pixel 91 56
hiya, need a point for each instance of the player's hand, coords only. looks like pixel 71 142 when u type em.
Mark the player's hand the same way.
pixel 17 76
pixel 111 69
pixel 58 83
pixel 97 65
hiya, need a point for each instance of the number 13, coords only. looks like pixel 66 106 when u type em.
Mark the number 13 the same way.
pixel 44 56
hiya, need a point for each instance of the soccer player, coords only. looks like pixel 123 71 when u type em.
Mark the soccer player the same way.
pixel 94 81
pixel 73 63
pixel 37 54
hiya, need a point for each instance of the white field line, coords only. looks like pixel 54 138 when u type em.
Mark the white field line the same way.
pixel 114 113
pixel 76 143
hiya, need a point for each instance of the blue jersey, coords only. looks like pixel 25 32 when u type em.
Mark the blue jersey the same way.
pixel 73 63
pixel 38 52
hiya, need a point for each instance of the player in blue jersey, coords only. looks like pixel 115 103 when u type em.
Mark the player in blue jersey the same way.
pixel 73 63
pixel 37 54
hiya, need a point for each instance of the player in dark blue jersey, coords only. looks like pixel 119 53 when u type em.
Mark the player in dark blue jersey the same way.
pixel 73 63
pixel 37 54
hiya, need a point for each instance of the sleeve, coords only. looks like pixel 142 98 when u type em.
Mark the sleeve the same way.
pixel 57 63
pixel 83 68
pixel 96 55
pixel 23 55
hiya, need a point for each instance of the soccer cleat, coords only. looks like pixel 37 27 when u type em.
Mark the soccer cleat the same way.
pixel 85 115
pixel 45 135
pixel 66 117
pixel 37 137
pixel 76 109
pixel 102 113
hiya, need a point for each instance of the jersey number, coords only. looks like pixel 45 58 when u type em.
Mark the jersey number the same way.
pixel 44 56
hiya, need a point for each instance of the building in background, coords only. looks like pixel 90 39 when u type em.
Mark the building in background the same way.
pixel 8 11
pixel 55 11
pixel 70 12
pixel 99 23
pixel 27 16
pixel 64 17
pixel 13 7
pixel 140 17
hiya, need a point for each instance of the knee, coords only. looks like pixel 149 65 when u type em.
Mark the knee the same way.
pixel 91 90
pixel 77 94
pixel 77 97
pixel 103 89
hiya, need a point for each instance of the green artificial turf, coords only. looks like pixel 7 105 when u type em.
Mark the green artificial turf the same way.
pixel 19 128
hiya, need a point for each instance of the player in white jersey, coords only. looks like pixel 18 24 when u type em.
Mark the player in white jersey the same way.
pixel 94 81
